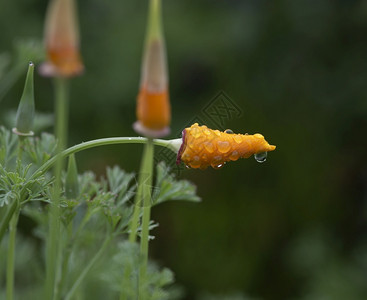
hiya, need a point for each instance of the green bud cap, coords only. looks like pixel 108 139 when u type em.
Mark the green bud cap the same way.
pixel 26 108
pixel 72 189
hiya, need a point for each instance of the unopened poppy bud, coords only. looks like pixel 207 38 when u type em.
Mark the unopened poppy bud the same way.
pixel 71 181
pixel 62 40
pixel 203 147
pixel 153 106
pixel 26 108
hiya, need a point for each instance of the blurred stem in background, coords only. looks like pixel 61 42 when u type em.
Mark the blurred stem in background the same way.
pixel 53 258
pixel 63 62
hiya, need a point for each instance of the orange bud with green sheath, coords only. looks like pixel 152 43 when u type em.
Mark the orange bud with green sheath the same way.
pixel 203 147
pixel 153 107
pixel 62 40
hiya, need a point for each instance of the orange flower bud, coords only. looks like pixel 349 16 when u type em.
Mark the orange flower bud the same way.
pixel 203 147
pixel 62 40
pixel 153 107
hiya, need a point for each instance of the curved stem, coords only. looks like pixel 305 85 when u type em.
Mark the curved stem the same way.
pixel 96 143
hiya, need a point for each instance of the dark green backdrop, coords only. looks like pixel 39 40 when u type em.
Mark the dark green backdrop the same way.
pixel 291 228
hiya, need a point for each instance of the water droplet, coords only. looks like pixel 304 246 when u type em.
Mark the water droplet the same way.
pixel 217 157
pixel 204 157
pixel 261 157
pixel 195 163
pixel 209 147
pixel 187 167
pixel 195 132
pixel 234 155
pixel 223 146
pixel 229 131
pixel 237 139
pixel 218 166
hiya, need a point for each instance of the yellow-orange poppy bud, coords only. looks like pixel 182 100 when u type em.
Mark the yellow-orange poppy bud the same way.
pixel 62 40
pixel 203 147
pixel 153 107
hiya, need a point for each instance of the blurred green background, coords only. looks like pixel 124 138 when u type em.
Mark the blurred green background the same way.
pixel 291 228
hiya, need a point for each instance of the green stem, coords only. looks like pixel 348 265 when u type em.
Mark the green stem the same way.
pixel 146 199
pixel 96 143
pixel 87 268
pixel 12 235
pixel 11 257
pixel 5 222
pixel 144 185
pixel 52 254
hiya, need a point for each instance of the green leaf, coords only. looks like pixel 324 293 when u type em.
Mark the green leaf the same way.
pixel 119 181
pixel 168 188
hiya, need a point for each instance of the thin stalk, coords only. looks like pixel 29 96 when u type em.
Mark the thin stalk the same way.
pixel 11 256
pixel 144 182
pixel 96 143
pixel 145 173
pixel 144 243
pixel 52 254
pixel 12 235
pixel 5 222
pixel 87 268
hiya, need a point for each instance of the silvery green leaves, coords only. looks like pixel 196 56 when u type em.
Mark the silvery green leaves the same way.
pixel 16 186
pixel 159 283
pixel 168 188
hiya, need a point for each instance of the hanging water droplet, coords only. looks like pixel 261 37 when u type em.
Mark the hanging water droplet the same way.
pixel 218 166
pixel 223 146
pixel 261 157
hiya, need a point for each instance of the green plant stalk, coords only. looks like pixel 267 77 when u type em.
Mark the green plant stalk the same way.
pixel 11 256
pixel 145 175
pixel 87 268
pixel 12 236
pixel 53 246
pixel 147 191
pixel 5 222
pixel 145 172
pixel 96 143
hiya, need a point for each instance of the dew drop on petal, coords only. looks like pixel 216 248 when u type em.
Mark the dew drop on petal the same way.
pixel 218 166
pixel 207 132
pixel 195 132
pixel 195 163
pixel 261 157
pixel 223 146
pixel 204 157
pixel 234 155
pixel 209 147
pixel 229 131
pixel 237 139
